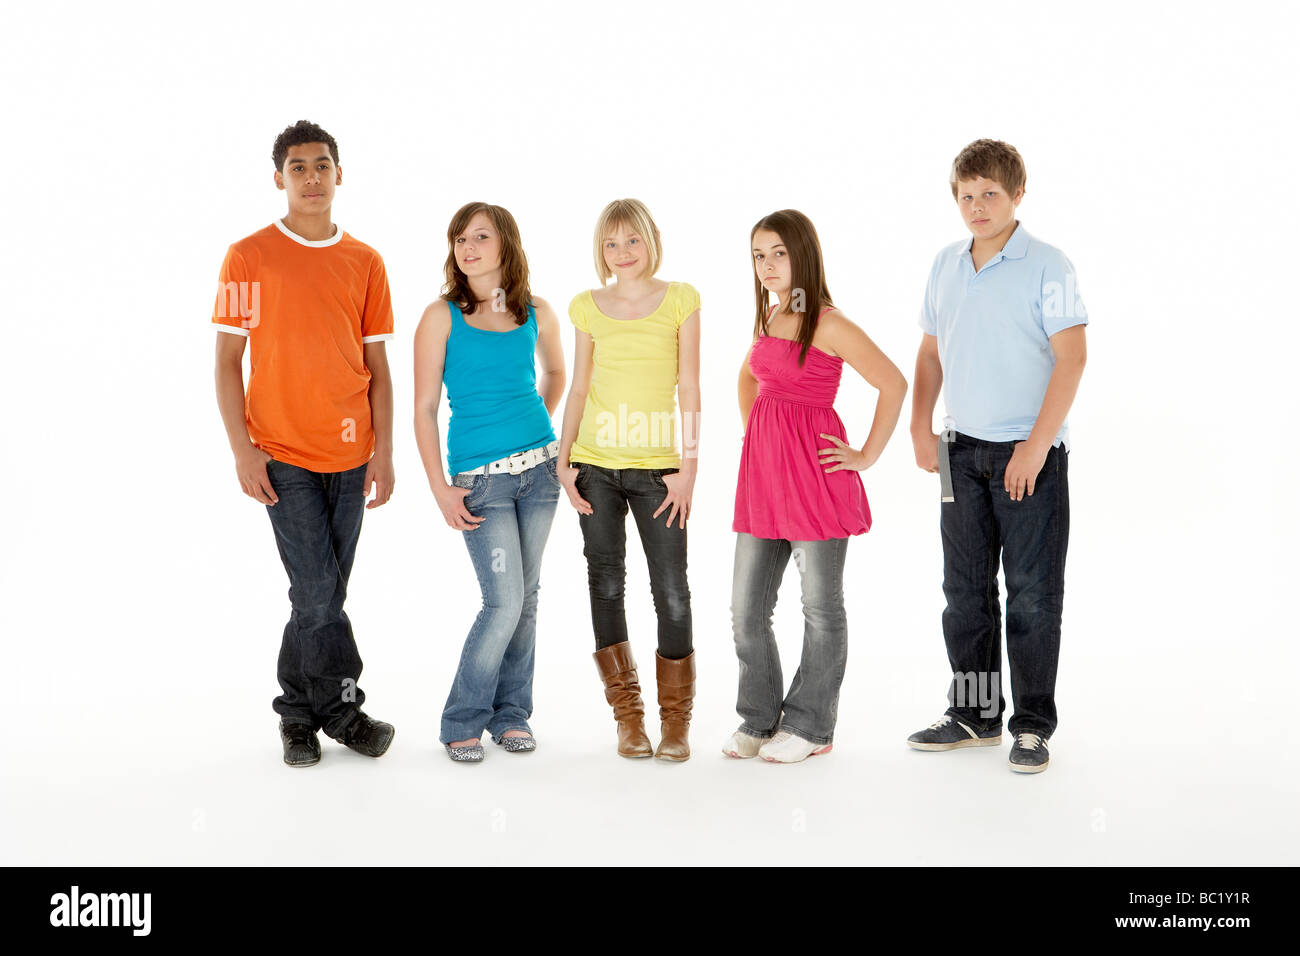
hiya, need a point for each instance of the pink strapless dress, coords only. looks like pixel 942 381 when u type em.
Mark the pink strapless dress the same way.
pixel 783 491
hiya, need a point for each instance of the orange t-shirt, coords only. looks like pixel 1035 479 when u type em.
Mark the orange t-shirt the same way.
pixel 307 308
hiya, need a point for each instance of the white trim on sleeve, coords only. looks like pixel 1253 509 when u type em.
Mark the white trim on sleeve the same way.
pixel 383 337
pixel 233 330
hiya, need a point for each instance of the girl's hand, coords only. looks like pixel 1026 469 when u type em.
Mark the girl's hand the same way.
pixel 844 455
pixel 680 489
pixel 451 502
pixel 568 475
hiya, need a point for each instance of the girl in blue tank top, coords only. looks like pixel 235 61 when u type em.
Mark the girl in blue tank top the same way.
pixel 483 340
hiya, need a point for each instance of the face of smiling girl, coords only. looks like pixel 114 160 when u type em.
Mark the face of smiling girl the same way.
pixel 478 248
pixel 626 254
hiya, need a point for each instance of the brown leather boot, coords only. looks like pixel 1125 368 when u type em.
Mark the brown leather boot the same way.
pixel 623 692
pixel 676 696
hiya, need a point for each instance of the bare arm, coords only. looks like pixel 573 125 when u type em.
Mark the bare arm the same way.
pixel 379 471
pixel 747 388
pixel 250 461
pixel 681 486
pixel 429 349
pixel 1069 346
pixel 584 350
pixel 550 355
pixel 430 357
pixel 863 355
pixel 925 395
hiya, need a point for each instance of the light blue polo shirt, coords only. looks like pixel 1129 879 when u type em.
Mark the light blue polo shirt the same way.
pixel 993 329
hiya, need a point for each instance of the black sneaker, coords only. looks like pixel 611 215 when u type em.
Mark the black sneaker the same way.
pixel 1029 754
pixel 949 733
pixel 301 746
pixel 367 736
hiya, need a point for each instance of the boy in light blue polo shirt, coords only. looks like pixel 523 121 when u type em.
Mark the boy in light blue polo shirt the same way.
pixel 1004 339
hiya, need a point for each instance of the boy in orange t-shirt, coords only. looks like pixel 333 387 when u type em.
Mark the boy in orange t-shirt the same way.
pixel 314 433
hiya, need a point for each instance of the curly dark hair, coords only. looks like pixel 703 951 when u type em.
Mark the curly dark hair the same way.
pixel 303 131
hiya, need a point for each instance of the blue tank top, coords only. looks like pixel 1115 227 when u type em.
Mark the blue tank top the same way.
pixel 491 382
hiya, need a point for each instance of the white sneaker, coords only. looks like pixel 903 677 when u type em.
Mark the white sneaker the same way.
pixel 741 744
pixel 786 747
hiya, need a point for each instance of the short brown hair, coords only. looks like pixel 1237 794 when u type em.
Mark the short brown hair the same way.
pixel 989 159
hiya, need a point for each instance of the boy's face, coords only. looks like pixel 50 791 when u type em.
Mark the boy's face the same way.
pixel 771 261
pixel 986 207
pixel 626 254
pixel 309 177
pixel 478 248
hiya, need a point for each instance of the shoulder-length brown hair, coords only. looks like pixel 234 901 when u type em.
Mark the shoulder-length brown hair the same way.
pixel 807 274
pixel 514 264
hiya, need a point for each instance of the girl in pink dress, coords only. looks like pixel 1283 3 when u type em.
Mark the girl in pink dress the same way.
pixel 799 493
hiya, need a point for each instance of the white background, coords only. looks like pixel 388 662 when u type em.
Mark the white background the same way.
pixel 143 598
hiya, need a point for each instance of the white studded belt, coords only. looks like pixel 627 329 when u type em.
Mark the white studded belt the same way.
pixel 518 462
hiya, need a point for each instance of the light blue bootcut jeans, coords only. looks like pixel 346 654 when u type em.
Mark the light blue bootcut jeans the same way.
pixel 808 710
pixel 493 688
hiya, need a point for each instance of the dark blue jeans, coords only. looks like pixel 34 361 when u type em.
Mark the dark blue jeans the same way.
pixel 612 492
pixel 317 522
pixel 982 525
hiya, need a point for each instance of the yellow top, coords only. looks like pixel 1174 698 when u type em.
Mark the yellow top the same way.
pixel 630 419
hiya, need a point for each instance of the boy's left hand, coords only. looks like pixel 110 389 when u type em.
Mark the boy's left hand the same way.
pixel 1023 468
pixel 379 473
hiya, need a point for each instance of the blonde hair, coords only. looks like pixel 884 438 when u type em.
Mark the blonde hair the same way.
pixel 633 216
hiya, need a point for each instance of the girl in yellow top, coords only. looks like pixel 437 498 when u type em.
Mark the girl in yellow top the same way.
pixel 636 341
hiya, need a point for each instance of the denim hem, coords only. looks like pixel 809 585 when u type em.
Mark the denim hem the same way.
pixel 298 720
pixel 1042 732
pixel 811 738
pixel 499 734
pixel 446 738
pixel 974 724
pixel 745 728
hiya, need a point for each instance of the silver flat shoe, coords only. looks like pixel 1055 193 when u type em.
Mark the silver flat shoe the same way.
pixel 472 754
pixel 517 745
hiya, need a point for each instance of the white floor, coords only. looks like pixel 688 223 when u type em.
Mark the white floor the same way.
pixel 1171 769
pixel 1108 799
pixel 140 728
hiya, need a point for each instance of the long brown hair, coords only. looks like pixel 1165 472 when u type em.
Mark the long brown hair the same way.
pixel 514 264
pixel 806 273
